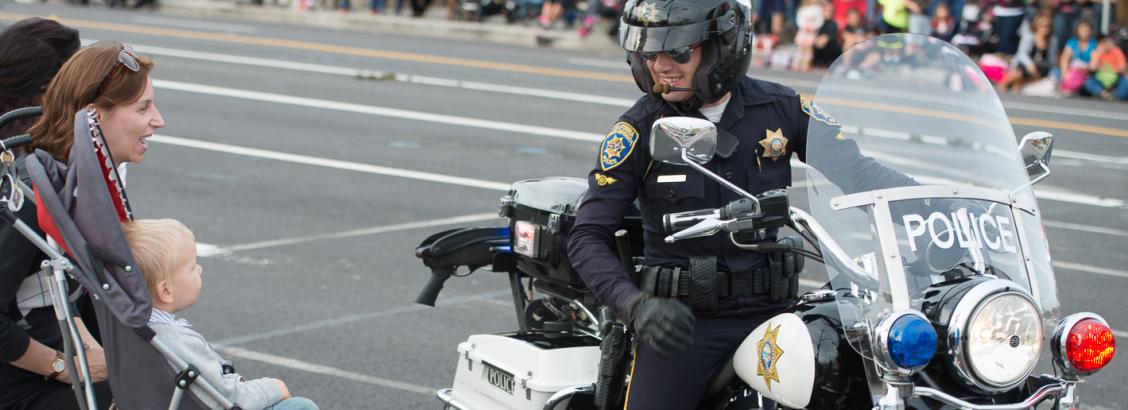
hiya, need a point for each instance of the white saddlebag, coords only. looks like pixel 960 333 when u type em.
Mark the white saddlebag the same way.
pixel 504 372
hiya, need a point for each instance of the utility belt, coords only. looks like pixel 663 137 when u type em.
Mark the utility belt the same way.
pixel 701 286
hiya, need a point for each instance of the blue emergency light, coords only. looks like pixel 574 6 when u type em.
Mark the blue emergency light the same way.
pixel 911 341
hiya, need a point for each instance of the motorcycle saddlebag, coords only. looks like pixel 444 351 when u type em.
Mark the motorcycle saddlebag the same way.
pixel 541 214
pixel 512 371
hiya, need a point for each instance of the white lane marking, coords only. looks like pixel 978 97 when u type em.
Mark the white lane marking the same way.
pixel 356 232
pixel 1078 112
pixel 456 301
pixel 1090 157
pixel 1090 269
pixel 376 110
pixel 330 163
pixel 1085 228
pixel 1076 198
pixel 322 369
pixel 196 25
pixel 1120 333
pixel 378 75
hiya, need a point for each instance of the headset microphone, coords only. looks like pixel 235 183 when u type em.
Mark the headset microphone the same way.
pixel 659 89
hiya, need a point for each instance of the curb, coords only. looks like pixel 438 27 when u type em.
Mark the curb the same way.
pixel 492 32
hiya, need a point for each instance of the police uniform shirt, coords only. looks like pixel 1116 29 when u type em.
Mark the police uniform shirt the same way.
pixel 762 126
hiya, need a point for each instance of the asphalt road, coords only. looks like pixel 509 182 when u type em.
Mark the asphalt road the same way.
pixel 308 188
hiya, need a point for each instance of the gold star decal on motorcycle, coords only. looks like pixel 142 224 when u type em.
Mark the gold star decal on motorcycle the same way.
pixel 775 144
pixel 770 352
pixel 604 180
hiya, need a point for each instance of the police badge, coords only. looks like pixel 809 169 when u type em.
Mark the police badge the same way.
pixel 618 145
pixel 775 144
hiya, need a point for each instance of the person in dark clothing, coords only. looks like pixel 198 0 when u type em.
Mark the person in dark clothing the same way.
pixel 31 373
pixel 687 69
pixel 828 44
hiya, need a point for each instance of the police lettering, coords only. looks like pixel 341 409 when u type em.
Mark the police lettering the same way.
pixel 961 228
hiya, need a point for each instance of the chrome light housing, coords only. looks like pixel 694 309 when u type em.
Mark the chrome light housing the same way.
pixel 995 336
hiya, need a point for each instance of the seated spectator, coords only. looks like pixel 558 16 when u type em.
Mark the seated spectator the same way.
pixel 1109 68
pixel 1075 57
pixel 165 250
pixel 975 31
pixel 855 30
pixel 943 25
pixel 1035 56
pixel 828 44
pixel 842 10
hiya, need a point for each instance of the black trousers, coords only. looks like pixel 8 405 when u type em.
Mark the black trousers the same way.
pixel 678 382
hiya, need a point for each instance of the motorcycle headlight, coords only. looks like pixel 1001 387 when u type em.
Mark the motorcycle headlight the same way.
pixel 995 336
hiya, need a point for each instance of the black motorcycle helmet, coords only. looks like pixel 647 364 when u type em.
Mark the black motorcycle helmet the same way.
pixel 723 28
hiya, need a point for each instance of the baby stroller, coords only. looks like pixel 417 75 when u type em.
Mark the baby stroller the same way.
pixel 85 241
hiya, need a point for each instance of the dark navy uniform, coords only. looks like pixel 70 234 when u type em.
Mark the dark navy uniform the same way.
pixel 763 125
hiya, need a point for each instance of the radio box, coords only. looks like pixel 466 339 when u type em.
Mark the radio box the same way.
pixel 512 371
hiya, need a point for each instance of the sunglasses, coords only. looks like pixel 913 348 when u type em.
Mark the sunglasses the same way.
pixel 680 55
pixel 127 60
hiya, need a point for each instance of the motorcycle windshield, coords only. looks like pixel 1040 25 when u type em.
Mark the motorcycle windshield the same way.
pixel 916 177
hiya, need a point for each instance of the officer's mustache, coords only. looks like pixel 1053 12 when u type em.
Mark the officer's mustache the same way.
pixel 659 89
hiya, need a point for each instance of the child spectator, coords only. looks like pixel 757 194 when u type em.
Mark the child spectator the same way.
pixel 943 25
pixel 855 31
pixel 809 19
pixel 165 250
pixel 1109 68
pixel 842 10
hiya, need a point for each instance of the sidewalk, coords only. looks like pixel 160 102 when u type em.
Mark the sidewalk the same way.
pixel 493 29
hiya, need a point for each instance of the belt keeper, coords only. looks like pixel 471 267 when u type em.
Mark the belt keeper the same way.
pixel 675 278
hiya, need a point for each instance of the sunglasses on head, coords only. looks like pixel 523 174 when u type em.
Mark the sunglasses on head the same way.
pixel 680 55
pixel 126 59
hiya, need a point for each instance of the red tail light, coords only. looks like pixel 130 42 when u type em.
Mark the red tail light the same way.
pixel 1090 345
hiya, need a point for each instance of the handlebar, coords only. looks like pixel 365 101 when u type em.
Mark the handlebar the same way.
pixel 14 142
pixel 737 216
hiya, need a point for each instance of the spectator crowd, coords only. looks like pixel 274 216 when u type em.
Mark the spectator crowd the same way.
pixel 1031 47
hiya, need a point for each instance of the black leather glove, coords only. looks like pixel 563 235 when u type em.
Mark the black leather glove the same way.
pixel 665 325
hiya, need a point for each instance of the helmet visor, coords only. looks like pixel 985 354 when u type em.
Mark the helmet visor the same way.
pixel 655 39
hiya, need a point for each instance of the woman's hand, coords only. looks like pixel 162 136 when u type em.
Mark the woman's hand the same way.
pixel 282 388
pixel 95 361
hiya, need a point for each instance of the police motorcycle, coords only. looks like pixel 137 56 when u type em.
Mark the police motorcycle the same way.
pixel 937 295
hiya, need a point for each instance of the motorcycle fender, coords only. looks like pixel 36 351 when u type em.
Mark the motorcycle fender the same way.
pixel 778 360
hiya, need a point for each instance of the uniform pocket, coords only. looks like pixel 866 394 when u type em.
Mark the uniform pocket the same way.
pixel 770 175
pixel 669 186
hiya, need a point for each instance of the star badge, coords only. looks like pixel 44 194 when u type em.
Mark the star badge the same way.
pixel 775 144
pixel 770 352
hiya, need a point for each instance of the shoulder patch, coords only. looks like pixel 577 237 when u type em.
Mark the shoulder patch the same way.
pixel 618 145
pixel 817 113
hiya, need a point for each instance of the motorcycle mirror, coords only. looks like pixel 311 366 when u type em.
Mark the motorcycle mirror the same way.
pixel 1035 150
pixel 671 137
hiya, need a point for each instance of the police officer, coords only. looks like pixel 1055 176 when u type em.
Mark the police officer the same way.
pixel 698 298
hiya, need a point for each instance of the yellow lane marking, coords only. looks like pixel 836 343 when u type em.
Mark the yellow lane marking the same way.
pixel 329 48
pixel 489 65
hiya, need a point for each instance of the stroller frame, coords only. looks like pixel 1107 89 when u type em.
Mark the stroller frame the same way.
pixel 58 266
